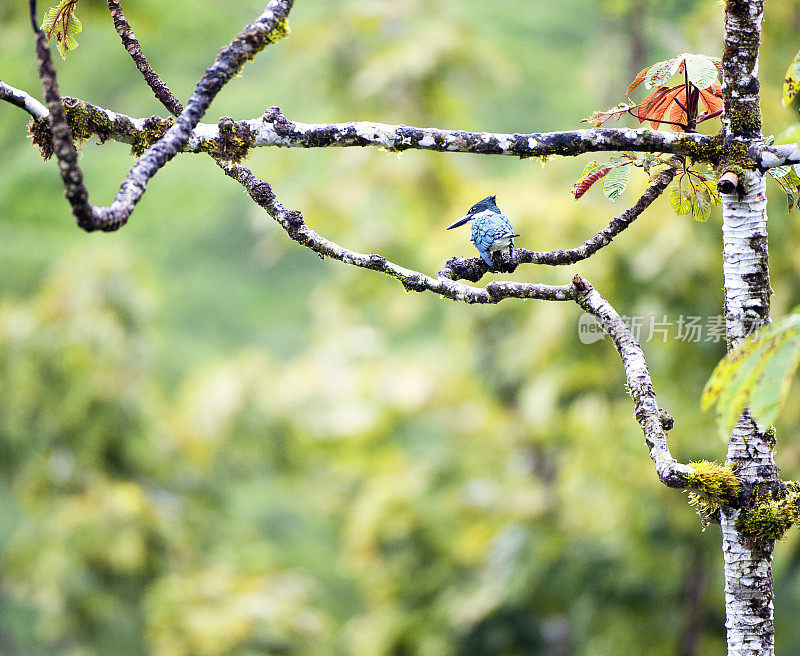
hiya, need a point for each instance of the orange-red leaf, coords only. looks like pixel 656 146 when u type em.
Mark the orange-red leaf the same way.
pixel 650 101
pixel 655 113
pixel 676 113
pixel 582 186
pixel 637 80
pixel 712 98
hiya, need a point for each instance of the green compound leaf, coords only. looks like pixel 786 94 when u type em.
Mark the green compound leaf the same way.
pixel 60 21
pixel 615 181
pixel 791 81
pixel 701 70
pixel 694 193
pixel 758 374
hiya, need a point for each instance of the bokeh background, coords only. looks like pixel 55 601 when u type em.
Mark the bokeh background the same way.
pixel 212 443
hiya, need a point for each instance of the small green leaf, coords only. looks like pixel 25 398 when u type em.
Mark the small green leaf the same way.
pixel 786 176
pixel 615 181
pixel 701 70
pixel 590 168
pixel 791 82
pixel 709 185
pixel 678 200
pixel 701 206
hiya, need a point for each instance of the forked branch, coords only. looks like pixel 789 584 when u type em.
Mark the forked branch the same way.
pixel 274 129
pixel 268 27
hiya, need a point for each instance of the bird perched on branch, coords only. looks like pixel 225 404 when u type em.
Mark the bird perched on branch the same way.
pixel 491 229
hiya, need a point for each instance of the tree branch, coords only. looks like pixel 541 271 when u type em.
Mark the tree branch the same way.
pixel 294 225
pixel 268 27
pixel 651 418
pixel 474 268
pixel 273 129
pixel 276 130
pixel 23 100
pixel 768 157
pixel 125 31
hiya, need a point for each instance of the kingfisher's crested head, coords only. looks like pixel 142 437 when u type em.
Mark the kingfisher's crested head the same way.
pixel 488 204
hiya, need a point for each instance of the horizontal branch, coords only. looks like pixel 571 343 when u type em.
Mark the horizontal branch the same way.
pixel 273 129
pixel 771 156
pixel 474 268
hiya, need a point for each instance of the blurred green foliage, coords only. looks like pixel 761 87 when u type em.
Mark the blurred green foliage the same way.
pixel 213 443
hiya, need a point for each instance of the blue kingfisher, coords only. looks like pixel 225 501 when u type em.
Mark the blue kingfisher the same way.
pixel 491 229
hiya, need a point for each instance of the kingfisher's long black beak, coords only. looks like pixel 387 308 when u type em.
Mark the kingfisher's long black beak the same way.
pixel 460 222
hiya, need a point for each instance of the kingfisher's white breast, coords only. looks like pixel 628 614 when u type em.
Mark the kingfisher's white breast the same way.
pixel 501 244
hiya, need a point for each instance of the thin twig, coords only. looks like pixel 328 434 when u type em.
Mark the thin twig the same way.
pixel 125 31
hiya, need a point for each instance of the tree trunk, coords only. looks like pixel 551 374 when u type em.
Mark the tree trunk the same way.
pixel 748 565
pixel 748 562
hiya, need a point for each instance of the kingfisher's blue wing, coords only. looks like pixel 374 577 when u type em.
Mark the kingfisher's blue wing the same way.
pixel 489 229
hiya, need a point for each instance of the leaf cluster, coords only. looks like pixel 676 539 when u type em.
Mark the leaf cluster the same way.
pixel 675 105
pixel 60 21
pixel 693 193
pixel 680 103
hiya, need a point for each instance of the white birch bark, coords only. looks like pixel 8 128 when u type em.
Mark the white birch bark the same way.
pixel 747 563
pixel 748 566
